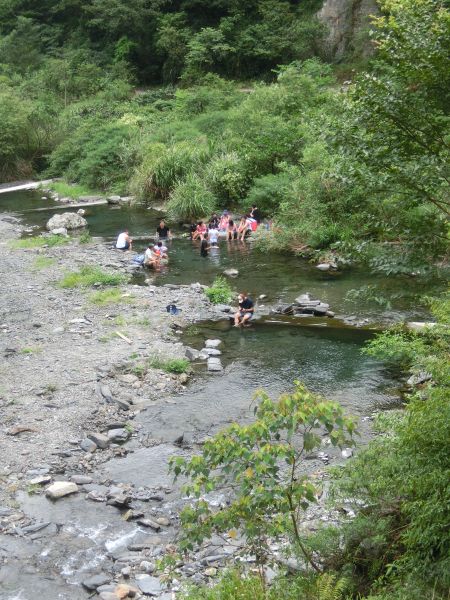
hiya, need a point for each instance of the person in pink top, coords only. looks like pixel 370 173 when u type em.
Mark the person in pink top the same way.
pixel 200 231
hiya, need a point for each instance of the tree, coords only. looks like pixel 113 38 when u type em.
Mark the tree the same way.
pixel 261 467
pixel 398 112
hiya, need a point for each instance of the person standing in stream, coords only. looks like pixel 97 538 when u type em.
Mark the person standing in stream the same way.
pixel 163 232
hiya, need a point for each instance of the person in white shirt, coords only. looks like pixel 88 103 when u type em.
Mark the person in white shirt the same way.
pixel 124 242
pixel 213 236
pixel 151 258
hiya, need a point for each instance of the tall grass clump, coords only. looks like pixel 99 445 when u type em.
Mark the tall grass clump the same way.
pixel 111 296
pixel 89 276
pixel 191 199
pixel 220 292
pixel 164 166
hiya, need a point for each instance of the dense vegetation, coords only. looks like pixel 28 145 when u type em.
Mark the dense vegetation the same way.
pixel 362 167
pixel 207 104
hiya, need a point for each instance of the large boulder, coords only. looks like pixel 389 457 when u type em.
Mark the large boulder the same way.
pixel 67 220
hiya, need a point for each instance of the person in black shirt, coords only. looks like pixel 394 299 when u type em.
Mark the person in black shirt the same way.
pixel 163 231
pixel 245 312
pixel 214 221
pixel 204 247
pixel 255 213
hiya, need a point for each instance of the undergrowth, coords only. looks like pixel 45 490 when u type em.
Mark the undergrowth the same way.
pixel 89 276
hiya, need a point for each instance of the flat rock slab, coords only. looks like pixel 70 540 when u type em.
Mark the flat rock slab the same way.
pixel 211 351
pixel 214 364
pixel 59 489
pixel 100 439
pixel 212 343
pixel 149 585
pixel 95 581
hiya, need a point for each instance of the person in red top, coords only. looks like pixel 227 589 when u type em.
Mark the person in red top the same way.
pixel 200 231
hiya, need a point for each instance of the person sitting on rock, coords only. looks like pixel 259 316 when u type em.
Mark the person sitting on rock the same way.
pixel 245 312
pixel 214 221
pixel 200 230
pixel 151 258
pixel 224 220
pixel 232 232
pixel 124 242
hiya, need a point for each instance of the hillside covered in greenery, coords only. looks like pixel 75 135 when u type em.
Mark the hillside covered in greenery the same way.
pixel 222 104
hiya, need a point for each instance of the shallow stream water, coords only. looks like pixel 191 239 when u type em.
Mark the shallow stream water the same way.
pixel 325 356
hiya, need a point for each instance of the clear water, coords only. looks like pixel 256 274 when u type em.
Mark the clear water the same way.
pixel 280 277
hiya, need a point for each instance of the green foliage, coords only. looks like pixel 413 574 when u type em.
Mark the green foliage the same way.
pixel 104 297
pixel 40 241
pixel 400 538
pixel 397 346
pixel 68 190
pixel 173 365
pixel 190 199
pixel 220 291
pixel 262 463
pixel 85 238
pixel 43 262
pixel 89 276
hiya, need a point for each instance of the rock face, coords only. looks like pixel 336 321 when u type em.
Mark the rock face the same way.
pixel 66 220
pixel 346 21
pixel 60 489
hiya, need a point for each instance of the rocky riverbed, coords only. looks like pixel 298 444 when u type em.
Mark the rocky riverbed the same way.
pixel 86 504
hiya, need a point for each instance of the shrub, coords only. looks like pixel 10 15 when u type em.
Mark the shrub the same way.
pixel 173 365
pixel 89 276
pixel 190 199
pixel 227 178
pixel 67 189
pixel 220 292
pixel 268 192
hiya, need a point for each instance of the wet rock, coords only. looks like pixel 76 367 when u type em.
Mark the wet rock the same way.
pixel 35 528
pixel 118 497
pixel 81 212
pixel 97 495
pixel 212 343
pixel 347 453
pixel 191 353
pixel 88 445
pixel 323 266
pixel 226 308
pixel 95 581
pixel 118 436
pixel 149 585
pixel 99 439
pixel 231 272
pixel 163 521
pixel 67 220
pixel 113 199
pixel 214 364
pixel 149 523
pixel 419 326
pixel 211 351
pixel 59 489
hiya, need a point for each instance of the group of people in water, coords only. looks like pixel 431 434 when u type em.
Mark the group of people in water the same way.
pixel 157 252
pixel 208 235
pixel 224 226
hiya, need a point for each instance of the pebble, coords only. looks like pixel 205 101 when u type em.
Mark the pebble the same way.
pixel 147 566
pixel 88 445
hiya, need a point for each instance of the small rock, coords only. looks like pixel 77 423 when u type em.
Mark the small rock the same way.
pixel 40 480
pixel 262 297
pixel 101 440
pixel 126 591
pixel 81 212
pixel 347 453
pixel 211 351
pixel 60 489
pixel 95 581
pixel 210 572
pixel 231 272
pixel 88 445
pixel 108 596
pixel 214 364
pixel 323 266
pixel 163 521
pixel 113 199
pixel 118 436
pixel 191 353
pixel 183 378
pixel 81 479
pixel 149 523
pixel 147 566
pixel 418 379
